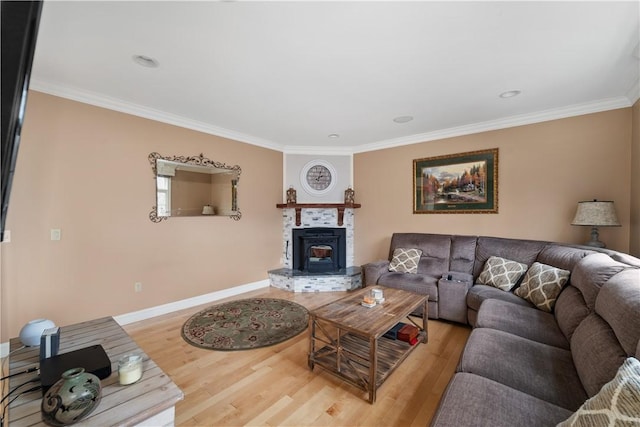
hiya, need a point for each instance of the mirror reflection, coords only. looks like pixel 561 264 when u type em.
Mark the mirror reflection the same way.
pixel 194 186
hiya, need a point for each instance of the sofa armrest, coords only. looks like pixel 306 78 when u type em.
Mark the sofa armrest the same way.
pixel 452 296
pixel 373 270
pixel 456 276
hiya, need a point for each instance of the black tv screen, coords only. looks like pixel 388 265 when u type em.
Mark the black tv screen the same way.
pixel 19 30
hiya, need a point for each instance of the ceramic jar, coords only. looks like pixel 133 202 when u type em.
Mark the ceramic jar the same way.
pixel 72 398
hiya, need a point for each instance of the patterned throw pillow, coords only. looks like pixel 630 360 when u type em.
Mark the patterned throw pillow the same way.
pixel 542 285
pixel 616 404
pixel 405 260
pixel 501 273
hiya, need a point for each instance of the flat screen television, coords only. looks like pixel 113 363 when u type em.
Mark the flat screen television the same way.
pixel 18 34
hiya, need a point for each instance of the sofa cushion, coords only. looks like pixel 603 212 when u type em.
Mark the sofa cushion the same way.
pixel 597 354
pixel 617 403
pixel 542 284
pixel 591 272
pixel 418 283
pixel 618 303
pixel 501 273
pixel 478 293
pixel 570 310
pixel 561 256
pixel 405 260
pixel 526 322
pixel 471 400
pixel 463 253
pixel 541 370
pixel 524 251
pixel 625 258
pixel 435 250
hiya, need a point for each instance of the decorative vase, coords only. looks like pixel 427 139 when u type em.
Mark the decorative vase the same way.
pixel 349 196
pixel 31 332
pixel 72 398
pixel 292 198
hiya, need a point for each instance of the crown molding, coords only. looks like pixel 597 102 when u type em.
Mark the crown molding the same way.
pixel 103 101
pixel 634 92
pixel 508 122
pixel 317 150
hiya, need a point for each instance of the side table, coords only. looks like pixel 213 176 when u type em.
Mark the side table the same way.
pixel 150 401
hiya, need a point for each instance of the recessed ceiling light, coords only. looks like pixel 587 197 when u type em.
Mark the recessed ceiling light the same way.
pixel 146 61
pixel 510 94
pixel 334 135
pixel 403 119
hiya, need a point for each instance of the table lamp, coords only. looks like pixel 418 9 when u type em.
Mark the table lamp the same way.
pixel 32 331
pixel 596 214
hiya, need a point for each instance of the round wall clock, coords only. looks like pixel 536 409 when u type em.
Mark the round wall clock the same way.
pixel 318 177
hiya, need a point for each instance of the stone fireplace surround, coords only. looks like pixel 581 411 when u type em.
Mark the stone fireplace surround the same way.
pixel 316 217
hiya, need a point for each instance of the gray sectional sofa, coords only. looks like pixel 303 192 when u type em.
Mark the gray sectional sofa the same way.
pixel 523 365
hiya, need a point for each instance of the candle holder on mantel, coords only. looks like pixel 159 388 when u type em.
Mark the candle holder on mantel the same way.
pixel 349 196
pixel 291 196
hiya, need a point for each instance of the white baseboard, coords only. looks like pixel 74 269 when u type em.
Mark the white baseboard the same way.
pixel 147 313
pixel 4 349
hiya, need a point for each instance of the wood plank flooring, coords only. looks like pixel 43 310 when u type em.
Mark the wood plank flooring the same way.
pixel 273 386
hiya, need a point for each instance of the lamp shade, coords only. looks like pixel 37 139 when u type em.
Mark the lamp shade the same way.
pixel 596 213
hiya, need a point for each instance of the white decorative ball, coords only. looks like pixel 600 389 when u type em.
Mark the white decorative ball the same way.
pixel 31 332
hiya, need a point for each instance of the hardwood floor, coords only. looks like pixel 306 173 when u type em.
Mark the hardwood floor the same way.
pixel 273 386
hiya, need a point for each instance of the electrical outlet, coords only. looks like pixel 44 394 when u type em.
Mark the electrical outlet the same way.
pixel 6 237
pixel 137 286
pixel 55 234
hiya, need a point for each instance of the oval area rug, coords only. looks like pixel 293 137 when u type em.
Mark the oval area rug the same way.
pixel 245 324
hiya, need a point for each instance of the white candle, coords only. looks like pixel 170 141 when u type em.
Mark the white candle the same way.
pixel 129 369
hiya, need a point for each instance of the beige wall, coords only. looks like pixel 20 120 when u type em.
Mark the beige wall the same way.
pixel 634 237
pixel 190 191
pixel 221 194
pixel 545 169
pixel 84 170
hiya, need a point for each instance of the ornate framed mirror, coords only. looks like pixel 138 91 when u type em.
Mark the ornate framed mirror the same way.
pixel 194 186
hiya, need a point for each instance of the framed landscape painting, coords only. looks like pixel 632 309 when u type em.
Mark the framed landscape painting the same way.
pixel 456 183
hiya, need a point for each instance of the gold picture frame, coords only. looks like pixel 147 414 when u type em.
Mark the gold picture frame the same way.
pixel 456 183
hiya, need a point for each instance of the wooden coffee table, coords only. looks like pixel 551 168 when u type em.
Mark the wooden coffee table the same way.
pixel 346 338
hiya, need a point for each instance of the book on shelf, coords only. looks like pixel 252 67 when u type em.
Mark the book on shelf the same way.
pixel 408 333
pixel 393 332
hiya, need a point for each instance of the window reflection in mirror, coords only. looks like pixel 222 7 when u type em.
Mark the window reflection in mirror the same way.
pixel 163 195
pixel 194 186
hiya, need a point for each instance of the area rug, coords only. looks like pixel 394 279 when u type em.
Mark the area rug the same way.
pixel 245 324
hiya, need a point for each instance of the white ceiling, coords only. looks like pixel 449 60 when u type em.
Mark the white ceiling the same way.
pixel 285 75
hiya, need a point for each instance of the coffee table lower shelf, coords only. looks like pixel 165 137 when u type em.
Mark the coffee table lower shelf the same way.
pixel 349 359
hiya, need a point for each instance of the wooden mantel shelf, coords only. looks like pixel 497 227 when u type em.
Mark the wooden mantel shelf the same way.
pixel 299 206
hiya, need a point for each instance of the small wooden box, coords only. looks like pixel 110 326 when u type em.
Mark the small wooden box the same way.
pixel 408 333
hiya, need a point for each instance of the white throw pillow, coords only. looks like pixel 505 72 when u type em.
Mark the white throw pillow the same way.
pixel 616 404
pixel 501 273
pixel 542 285
pixel 405 260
